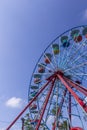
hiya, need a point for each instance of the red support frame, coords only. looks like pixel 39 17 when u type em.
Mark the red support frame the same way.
pixel 70 106
pixel 80 102
pixel 29 104
pixel 45 104
pixel 70 109
pixel 22 119
pixel 59 109
pixel 66 82
pixel 77 86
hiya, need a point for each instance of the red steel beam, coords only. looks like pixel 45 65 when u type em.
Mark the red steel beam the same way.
pixel 78 87
pixel 85 89
pixel 59 109
pixel 70 109
pixel 70 106
pixel 28 105
pixel 45 104
pixel 80 102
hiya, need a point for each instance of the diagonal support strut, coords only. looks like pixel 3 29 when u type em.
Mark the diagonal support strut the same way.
pixel 80 102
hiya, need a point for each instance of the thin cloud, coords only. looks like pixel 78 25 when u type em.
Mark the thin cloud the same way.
pixel 85 14
pixel 14 102
pixel 2 128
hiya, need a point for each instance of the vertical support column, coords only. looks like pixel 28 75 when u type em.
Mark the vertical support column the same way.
pixel 70 106
pixel 70 109
pixel 45 104
pixel 22 119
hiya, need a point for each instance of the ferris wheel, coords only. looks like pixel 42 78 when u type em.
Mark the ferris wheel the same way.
pixel 62 67
pixel 58 88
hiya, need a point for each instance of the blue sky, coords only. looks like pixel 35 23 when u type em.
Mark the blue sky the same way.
pixel 26 28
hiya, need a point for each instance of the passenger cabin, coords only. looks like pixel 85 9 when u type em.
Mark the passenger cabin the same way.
pixel 64 41
pixel 84 32
pixel 75 34
pixel 37 78
pixel 41 68
pixel 55 49
pixel 47 58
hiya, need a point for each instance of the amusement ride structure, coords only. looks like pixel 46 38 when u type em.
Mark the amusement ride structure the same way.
pixel 57 97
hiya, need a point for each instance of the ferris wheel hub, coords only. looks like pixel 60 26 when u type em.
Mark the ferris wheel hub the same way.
pixel 60 72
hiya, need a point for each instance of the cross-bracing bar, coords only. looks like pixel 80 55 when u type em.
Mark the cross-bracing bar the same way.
pixel 59 109
pixel 45 104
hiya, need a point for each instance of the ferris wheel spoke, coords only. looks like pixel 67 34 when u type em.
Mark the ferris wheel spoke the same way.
pixel 81 74
pixel 69 48
pixel 73 74
pixel 73 55
pixel 58 60
pixel 48 68
pixel 82 54
pixel 54 58
pixel 64 55
pixel 50 61
pixel 67 55
pixel 85 79
pixel 77 66
pixel 62 58
pixel 80 69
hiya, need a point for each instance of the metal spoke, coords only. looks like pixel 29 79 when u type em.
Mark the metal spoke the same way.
pixel 68 53
pixel 46 67
pixel 72 56
pixel 79 57
pixel 80 65
pixel 50 62
pixel 54 58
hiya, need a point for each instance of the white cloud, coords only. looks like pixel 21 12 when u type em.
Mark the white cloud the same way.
pixel 14 102
pixel 50 121
pixel 85 100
